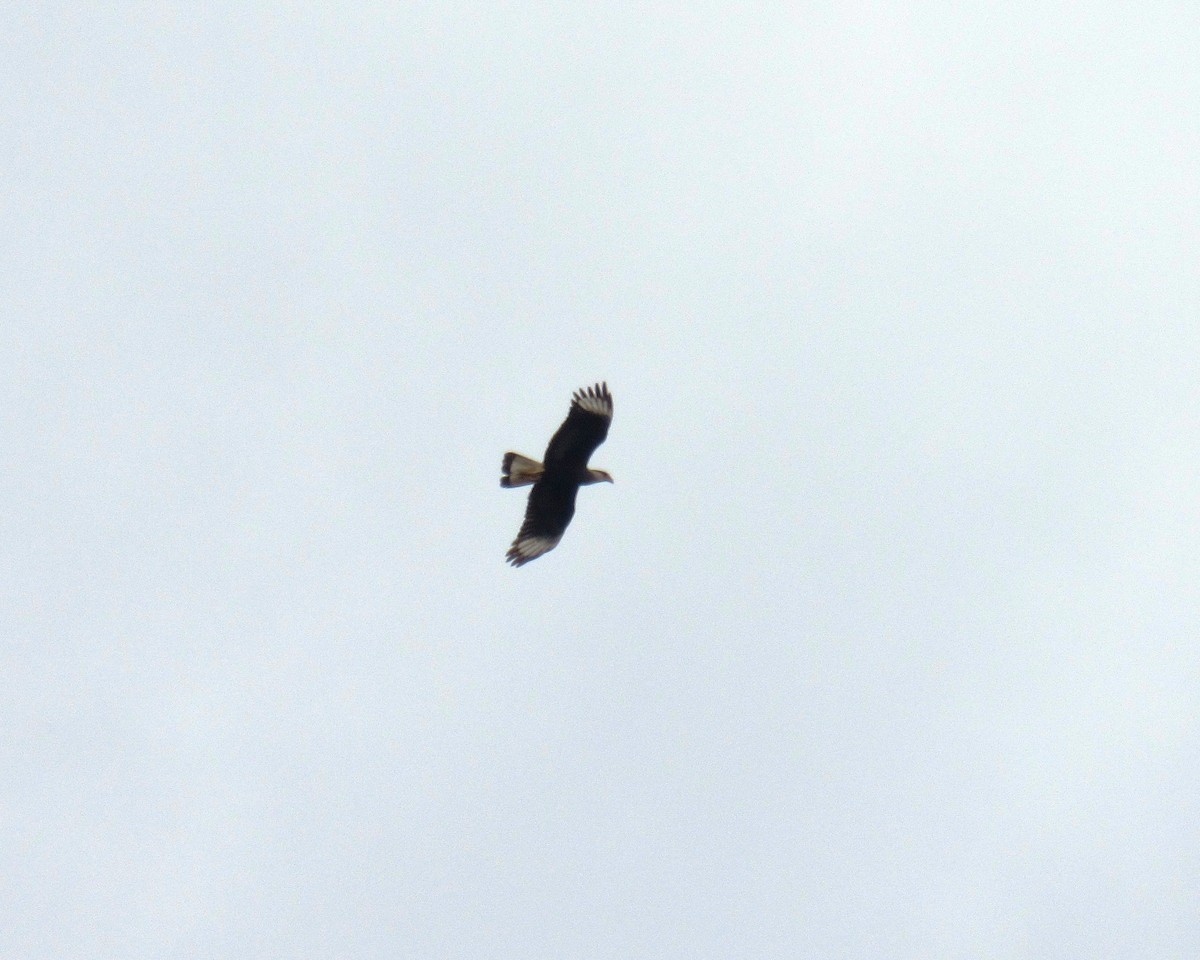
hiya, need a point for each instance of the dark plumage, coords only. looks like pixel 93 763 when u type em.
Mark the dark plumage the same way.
pixel 562 472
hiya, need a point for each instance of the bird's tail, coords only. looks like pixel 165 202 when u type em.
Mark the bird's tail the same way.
pixel 519 471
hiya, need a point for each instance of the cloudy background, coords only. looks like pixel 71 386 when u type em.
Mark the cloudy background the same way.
pixel 883 644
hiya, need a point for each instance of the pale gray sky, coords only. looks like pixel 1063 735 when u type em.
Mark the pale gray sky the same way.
pixel 883 644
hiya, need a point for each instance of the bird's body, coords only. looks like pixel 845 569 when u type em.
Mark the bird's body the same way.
pixel 557 479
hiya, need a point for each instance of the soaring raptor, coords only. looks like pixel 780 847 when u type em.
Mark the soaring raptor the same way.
pixel 558 478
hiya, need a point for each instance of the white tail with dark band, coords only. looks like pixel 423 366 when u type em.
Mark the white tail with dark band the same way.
pixel 519 471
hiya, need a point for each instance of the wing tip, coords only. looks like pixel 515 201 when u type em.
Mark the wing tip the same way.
pixel 594 399
pixel 526 548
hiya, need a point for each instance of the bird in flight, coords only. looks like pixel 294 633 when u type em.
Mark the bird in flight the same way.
pixel 558 478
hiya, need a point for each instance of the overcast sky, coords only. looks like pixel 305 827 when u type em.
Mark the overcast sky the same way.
pixel 884 644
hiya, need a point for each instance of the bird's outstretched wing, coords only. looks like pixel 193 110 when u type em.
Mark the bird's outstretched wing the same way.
pixel 582 432
pixel 549 510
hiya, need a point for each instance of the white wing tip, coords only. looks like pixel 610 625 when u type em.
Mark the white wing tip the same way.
pixel 595 400
pixel 525 549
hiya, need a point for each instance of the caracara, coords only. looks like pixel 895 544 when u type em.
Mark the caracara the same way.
pixel 563 471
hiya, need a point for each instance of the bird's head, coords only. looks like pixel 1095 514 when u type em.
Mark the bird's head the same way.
pixel 598 476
